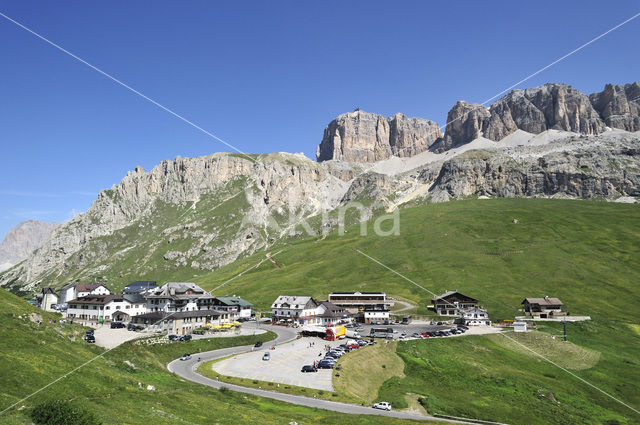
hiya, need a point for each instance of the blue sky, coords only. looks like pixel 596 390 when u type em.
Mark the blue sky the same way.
pixel 265 76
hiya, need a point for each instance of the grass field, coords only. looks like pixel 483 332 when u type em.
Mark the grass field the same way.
pixel 366 369
pixel 34 355
pixel 492 378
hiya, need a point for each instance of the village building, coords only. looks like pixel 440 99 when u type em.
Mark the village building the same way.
pixel 361 301
pixel 74 291
pixel 331 314
pixel 543 308
pixel 475 316
pixel 180 322
pixel 452 303
pixel 373 317
pixel 366 307
pixel 178 296
pixel 86 289
pixel 295 310
pixel 49 299
pixel 139 287
pixel 112 307
pixel 233 304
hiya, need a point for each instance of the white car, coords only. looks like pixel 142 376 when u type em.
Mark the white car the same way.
pixel 266 356
pixel 383 405
pixel 185 357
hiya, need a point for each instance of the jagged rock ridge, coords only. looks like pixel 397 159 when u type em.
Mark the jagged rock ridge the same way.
pixel 366 137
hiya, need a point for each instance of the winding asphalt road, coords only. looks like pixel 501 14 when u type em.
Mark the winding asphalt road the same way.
pixel 188 370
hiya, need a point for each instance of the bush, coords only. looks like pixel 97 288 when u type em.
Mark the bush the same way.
pixel 61 412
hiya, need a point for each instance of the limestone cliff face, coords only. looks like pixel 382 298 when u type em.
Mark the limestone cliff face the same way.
pixel 22 240
pixel 275 184
pixel 365 137
pixel 619 106
pixel 465 122
pixel 551 106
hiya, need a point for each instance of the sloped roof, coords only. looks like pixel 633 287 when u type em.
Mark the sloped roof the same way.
pixel 293 301
pixel 451 293
pixel 48 290
pixel 134 298
pixel 139 286
pixel 543 301
pixel 332 310
pixel 234 301
pixel 86 287
pixel 161 315
pixel 178 290
pixel 98 299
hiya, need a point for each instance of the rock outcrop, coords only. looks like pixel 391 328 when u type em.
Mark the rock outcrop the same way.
pixel 365 137
pixel 551 106
pixel 619 106
pixel 22 240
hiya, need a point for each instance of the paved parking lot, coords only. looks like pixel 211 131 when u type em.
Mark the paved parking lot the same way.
pixel 110 338
pixel 284 366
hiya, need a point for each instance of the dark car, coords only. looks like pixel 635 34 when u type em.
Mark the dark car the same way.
pixel 185 338
pixel 174 338
pixel 89 332
pixel 117 325
pixel 133 327
pixel 90 339
pixel 326 365
pixel 258 344
pixel 309 368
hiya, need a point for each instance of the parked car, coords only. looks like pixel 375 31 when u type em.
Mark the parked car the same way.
pixel 266 356
pixel 117 325
pixel 309 368
pixel 258 344
pixel 90 339
pixel 133 327
pixel 362 342
pixel 185 356
pixel 325 365
pixel 89 332
pixel 416 335
pixel 174 338
pixel 383 405
pixel 186 338
pixel 354 345
pixel 403 335
pixel 426 334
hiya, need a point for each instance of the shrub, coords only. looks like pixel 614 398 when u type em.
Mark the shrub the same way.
pixel 61 412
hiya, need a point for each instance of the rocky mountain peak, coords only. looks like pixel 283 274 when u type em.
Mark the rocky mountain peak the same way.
pixel 22 240
pixel 366 137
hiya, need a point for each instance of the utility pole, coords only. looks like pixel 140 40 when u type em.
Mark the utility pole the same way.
pixel 564 328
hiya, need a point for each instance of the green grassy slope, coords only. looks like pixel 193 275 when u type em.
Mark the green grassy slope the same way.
pixel 33 355
pixel 492 378
pixel 586 253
